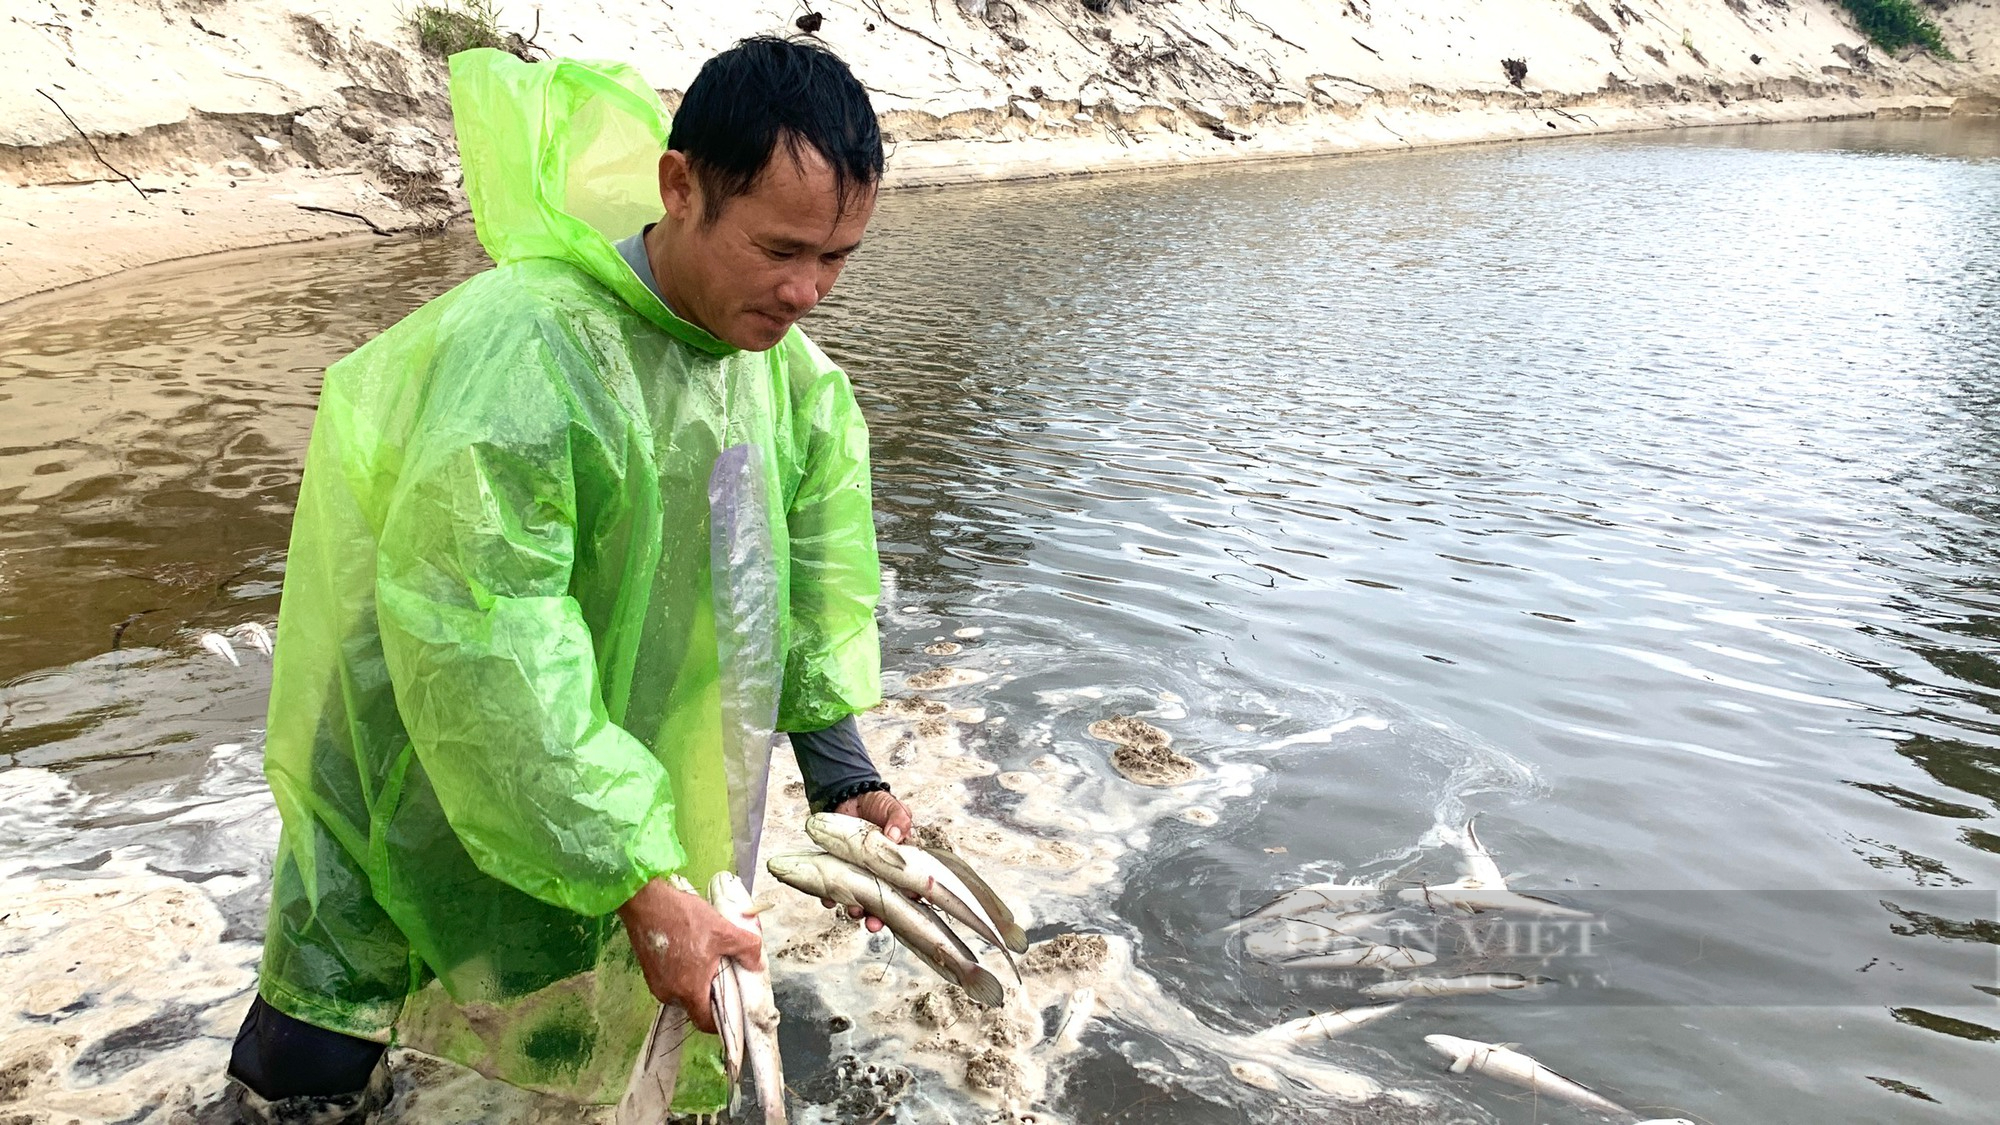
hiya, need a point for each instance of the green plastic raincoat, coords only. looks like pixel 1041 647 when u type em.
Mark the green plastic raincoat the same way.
pixel 561 564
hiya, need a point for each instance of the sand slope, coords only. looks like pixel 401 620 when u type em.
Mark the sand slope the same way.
pixel 250 122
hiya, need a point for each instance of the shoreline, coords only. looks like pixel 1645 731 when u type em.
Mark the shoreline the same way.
pixel 207 222
pixel 132 137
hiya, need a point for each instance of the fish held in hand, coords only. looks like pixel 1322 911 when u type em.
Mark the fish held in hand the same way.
pixel 757 1008
pixel 909 869
pixel 1015 938
pixel 1508 1065
pixel 725 1001
pixel 914 924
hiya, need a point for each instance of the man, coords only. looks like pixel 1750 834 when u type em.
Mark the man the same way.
pixel 573 540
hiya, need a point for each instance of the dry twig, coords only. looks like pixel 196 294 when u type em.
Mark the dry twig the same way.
pixel 92 145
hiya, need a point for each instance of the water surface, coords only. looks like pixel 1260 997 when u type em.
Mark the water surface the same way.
pixel 1643 488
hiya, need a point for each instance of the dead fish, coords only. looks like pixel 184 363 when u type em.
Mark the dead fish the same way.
pixel 1365 957
pixel 255 635
pixel 649 1095
pixel 1016 939
pixel 909 869
pixel 220 646
pixel 1075 1017
pixel 1478 900
pixel 1481 871
pixel 1476 984
pixel 725 1002
pixel 1325 1025
pixel 1311 933
pixel 757 1008
pixel 1483 887
pixel 1501 1061
pixel 914 924
pixel 1310 898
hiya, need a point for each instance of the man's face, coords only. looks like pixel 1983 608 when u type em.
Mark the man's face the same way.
pixel 768 258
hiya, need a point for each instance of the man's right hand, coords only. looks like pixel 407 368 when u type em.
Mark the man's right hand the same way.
pixel 680 941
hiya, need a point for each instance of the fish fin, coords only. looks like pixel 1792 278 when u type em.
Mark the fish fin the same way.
pixel 991 903
pixel 1462 1063
pixel 984 987
pixel 957 943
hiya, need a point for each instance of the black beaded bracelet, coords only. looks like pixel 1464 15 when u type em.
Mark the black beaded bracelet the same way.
pixel 848 792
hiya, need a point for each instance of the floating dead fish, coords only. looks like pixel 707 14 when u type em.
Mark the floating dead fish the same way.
pixel 220 646
pixel 1480 900
pixel 1483 888
pixel 1476 984
pixel 1481 871
pixel 1501 1061
pixel 1365 957
pixel 255 635
pixel 1311 898
pixel 1325 1025
pixel 914 924
pixel 1310 933
pixel 1075 1017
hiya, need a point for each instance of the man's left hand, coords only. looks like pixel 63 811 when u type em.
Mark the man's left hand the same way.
pixel 882 809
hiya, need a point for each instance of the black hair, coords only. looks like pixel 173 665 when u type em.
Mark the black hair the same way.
pixel 765 92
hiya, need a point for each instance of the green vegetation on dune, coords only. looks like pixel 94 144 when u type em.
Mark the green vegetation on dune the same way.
pixel 444 29
pixel 1895 24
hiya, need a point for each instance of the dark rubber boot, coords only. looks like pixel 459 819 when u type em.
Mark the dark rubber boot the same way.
pixel 316 1109
pixel 289 1072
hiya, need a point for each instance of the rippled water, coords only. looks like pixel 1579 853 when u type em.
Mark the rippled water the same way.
pixel 1644 488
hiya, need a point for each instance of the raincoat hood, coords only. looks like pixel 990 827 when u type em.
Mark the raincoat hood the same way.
pixel 570 167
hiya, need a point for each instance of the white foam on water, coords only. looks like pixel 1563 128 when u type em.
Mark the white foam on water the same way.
pixel 1326 735
pixel 117 932
pixel 1055 855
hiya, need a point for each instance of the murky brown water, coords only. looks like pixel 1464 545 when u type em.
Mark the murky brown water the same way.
pixel 1643 488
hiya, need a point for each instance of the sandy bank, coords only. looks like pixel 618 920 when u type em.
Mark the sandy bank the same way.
pixel 137 135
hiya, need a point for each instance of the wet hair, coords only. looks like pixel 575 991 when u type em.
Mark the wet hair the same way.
pixel 764 93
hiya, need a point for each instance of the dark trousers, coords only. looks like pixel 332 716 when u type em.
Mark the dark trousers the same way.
pixel 279 1057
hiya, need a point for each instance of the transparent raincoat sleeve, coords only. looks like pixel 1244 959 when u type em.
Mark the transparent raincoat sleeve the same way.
pixel 493 664
pixel 834 667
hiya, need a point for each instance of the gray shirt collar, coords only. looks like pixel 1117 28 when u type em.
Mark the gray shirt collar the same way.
pixel 633 250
